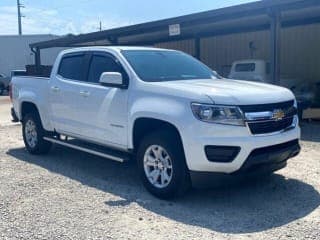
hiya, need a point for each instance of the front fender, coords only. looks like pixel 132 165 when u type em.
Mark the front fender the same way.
pixel 166 109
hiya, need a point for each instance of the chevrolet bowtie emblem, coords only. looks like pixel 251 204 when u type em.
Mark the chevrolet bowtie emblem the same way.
pixel 278 114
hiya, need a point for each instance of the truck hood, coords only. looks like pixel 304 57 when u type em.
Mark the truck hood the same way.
pixel 231 92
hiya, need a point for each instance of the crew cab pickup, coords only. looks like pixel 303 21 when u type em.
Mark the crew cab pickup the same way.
pixel 181 122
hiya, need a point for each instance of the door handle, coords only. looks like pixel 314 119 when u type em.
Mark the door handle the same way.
pixel 55 89
pixel 85 93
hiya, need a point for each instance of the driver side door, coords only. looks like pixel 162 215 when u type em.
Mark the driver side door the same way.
pixel 103 110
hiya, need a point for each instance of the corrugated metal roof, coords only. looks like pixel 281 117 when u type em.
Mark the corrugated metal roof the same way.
pixel 219 21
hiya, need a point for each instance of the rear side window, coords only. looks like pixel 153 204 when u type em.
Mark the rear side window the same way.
pixel 71 67
pixel 245 67
pixel 100 64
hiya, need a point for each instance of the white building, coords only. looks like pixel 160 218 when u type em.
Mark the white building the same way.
pixel 15 52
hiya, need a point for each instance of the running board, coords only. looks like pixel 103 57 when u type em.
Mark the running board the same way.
pixel 91 148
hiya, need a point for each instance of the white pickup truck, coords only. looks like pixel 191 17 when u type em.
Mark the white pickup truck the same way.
pixel 182 123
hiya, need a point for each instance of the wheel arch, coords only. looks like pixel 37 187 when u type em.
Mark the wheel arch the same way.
pixel 145 125
pixel 28 107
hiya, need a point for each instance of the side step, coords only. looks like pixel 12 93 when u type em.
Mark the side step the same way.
pixel 92 148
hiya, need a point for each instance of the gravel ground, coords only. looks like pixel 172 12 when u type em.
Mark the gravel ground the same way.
pixel 5 115
pixel 71 195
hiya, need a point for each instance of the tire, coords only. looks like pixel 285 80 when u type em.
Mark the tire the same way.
pixel 179 180
pixel 32 128
pixel 14 116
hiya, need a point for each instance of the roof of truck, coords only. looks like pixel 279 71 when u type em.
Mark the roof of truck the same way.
pixel 115 48
pixel 110 48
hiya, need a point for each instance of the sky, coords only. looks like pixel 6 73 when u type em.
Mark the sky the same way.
pixel 62 17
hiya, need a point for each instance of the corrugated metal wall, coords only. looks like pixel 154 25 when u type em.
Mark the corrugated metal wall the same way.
pixel 300 50
pixel 220 51
pixel 183 45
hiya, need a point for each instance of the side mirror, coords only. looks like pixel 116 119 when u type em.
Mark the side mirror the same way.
pixel 112 79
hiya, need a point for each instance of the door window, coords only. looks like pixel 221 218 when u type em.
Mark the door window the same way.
pixel 71 67
pixel 100 64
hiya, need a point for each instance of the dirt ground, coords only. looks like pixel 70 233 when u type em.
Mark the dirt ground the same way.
pixel 72 195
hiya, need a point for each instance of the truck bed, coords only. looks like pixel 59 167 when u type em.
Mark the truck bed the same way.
pixel 30 87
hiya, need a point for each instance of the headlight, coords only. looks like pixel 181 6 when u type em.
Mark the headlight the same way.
pixel 231 115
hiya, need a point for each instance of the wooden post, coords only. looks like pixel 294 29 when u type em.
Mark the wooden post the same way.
pixel 275 31
pixel 197 47
pixel 37 59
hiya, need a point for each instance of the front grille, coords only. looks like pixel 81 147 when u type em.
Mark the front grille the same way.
pixel 270 126
pixel 264 126
pixel 266 107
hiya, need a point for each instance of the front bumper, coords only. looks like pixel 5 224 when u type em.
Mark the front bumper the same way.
pixel 261 161
pixel 196 135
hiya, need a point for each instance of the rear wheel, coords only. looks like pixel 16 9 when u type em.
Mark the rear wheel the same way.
pixel 162 166
pixel 33 134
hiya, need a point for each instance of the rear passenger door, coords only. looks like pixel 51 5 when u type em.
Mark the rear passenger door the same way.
pixel 65 93
pixel 103 112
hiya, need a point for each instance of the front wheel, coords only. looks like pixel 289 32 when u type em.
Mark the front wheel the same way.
pixel 33 134
pixel 162 166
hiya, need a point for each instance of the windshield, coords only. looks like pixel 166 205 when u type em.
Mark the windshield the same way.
pixel 165 65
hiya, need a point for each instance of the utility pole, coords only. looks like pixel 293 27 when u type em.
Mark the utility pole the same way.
pixel 19 6
pixel 100 26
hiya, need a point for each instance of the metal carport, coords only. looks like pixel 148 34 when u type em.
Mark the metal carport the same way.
pixel 263 15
